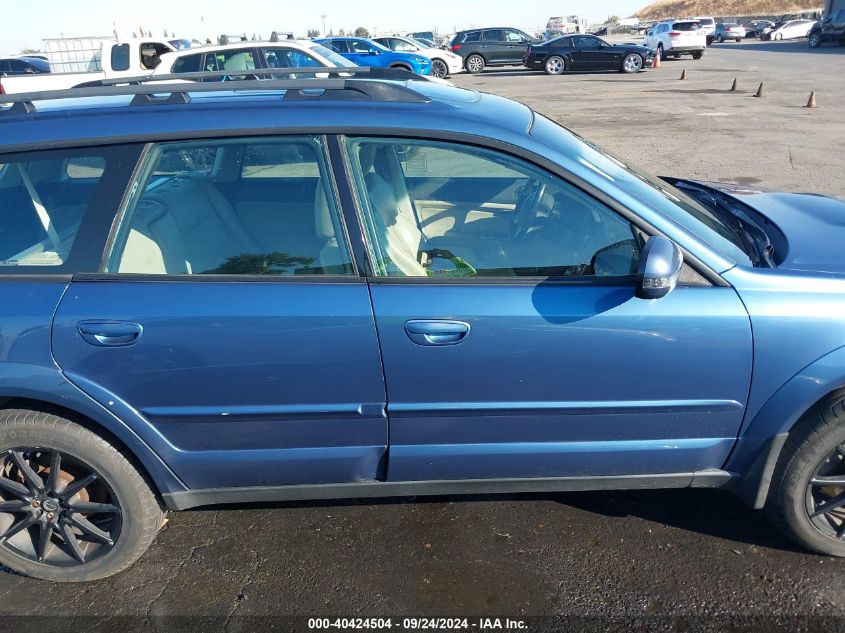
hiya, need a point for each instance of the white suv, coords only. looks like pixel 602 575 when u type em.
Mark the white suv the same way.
pixel 708 25
pixel 673 38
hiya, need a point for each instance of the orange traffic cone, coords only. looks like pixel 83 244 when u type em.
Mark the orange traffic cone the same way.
pixel 734 87
pixel 759 92
pixel 811 103
pixel 656 63
pixel 683 74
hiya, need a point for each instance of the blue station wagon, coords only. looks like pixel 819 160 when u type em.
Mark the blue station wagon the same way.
pixel 367 287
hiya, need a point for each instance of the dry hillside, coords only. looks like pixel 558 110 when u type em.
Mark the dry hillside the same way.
pixel 674 8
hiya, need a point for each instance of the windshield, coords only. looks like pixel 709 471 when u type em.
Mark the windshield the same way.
pixel 649 190
pixel 334 58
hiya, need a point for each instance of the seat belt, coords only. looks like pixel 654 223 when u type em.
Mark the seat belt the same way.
pixel 40 209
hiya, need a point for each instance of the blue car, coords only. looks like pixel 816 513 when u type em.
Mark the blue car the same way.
pixel 366 52
pixel 240 293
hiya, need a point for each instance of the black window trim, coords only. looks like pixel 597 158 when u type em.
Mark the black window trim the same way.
pixel 705 271
pixel 102 275
pixel 521 155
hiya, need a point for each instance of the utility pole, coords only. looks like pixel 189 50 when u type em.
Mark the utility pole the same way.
pixel 324 16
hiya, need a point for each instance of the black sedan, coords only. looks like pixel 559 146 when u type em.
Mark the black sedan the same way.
pixel 587 52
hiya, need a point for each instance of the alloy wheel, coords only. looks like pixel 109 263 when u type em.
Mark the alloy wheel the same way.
pixel 825 500
pixel 475 64
pixel 439 69
pixel 633 63
pixel 55 509
pixel 555 65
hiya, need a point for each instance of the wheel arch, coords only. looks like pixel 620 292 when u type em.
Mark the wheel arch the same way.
pixel 760 444
pixel 47 390
pixel 402 66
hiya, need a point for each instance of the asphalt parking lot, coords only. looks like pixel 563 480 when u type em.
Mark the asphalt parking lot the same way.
pixel 670 560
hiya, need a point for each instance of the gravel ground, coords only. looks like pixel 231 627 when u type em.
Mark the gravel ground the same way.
pixel 673 560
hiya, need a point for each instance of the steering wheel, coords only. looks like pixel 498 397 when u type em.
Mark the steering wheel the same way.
pixel 526 208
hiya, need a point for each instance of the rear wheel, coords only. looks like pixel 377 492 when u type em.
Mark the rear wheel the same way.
pixel 474 64
pixel 660 53
pixel 554 65
pixel 439 69
pixel 72 506
pixel 698 55
pixel 720 38
pixel 807 499
pixel 632 63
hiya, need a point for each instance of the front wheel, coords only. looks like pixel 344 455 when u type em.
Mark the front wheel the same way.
pixel 660 53
pixel 632 63
pixel 439 69
pixel 72 506
pixel 778 37
pixel 554 65
pixel 474 64
pixel 698 55
pixel 720 39
pixel 815 40
pixel 807 499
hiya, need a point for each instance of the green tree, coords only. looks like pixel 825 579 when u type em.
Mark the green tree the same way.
pixel 30 51
pixel 362 32
pixel 313 33
pixel 341 33
pixel 613 19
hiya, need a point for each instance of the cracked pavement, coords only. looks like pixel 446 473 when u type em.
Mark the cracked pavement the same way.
pixel 626 556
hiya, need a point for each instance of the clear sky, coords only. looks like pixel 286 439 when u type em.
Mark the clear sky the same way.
pixel 26 22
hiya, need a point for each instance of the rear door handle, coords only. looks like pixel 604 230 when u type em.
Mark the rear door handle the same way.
pixel 439 332
pixel 110 333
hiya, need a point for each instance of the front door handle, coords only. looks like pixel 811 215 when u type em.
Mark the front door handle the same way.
pixel 437 332
pixel 110 333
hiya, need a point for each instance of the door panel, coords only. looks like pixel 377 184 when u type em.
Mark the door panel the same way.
pixel 562 380
pixel 283 377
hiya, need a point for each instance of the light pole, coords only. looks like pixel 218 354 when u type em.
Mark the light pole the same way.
pixel 324 24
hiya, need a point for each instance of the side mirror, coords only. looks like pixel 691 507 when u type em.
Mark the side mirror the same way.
pixel 660 266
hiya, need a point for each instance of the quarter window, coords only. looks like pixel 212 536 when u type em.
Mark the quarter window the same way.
pixel 233 207
pixel 47 200
pixel 434 209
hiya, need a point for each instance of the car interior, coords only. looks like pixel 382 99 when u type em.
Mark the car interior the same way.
pixel 438 211
pixel 233 209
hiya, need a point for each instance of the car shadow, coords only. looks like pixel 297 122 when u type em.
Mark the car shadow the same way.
pixel 714 513
pixel 783 46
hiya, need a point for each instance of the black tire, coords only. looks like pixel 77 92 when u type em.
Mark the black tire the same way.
pixel 140 514
pixel 815 40
pixel 439 69
pixel 661 53
pixel 719 38
pixel 698 55
pixel 816 448
pixel 474 64
pixel 554 65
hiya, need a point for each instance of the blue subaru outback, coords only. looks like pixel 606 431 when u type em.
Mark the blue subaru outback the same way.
pixel 369 287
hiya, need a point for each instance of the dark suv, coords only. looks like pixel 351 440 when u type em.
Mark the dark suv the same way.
pixel 491 47
pixel 830 30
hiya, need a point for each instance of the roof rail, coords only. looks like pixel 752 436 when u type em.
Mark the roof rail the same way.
pixel 175 93
pixel 398 74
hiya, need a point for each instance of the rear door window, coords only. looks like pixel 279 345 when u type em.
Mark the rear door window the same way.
pixel 243 206
pixel 494 36
pixel 188 64
pixel 58 207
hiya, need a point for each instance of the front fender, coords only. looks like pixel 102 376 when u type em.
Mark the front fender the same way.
pixel 757 451
pixel 49 385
